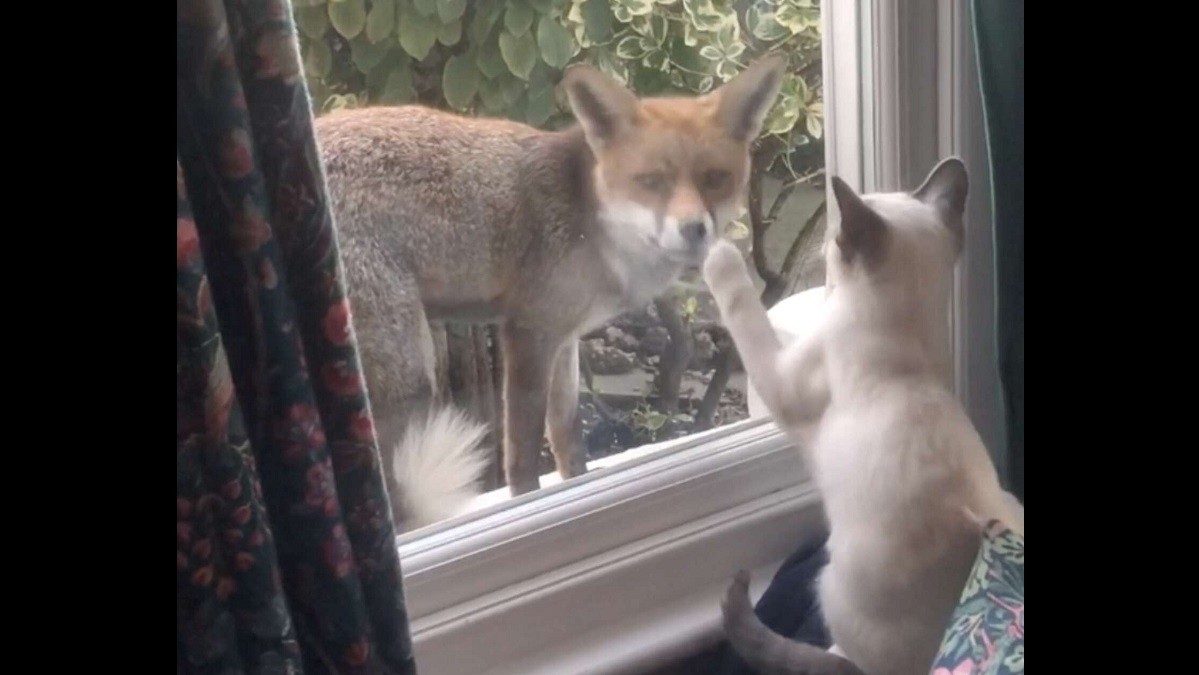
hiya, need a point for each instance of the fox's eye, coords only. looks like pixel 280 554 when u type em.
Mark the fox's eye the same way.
pixel 714 179
pixel 654 182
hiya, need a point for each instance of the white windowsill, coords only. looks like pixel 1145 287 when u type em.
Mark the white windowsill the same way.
pixel 617 571
pixel 503 496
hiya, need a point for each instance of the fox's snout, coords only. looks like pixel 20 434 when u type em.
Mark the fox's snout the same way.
pixel 693 231
pixel 688 237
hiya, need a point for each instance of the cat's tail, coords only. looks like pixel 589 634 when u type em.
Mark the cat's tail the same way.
pixel 998 505
pixel 438 465
pixel 767 652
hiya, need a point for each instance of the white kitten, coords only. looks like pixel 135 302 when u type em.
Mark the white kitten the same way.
pixel 902 471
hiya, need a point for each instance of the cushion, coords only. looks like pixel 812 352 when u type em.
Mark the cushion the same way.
pixel 986 632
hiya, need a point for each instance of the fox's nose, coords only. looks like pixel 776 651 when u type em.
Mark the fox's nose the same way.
pixel 692 231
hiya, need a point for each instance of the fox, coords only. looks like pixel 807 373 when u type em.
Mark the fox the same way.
pixel 546 234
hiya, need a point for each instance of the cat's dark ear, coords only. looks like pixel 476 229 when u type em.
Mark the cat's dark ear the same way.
pixel 946 188
pixel 862 234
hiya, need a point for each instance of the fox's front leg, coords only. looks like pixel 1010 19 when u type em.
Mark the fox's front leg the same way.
pixel 783 390
pixel 562 414
pixel 528 358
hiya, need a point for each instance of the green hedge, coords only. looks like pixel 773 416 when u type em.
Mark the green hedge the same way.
pixel 504 57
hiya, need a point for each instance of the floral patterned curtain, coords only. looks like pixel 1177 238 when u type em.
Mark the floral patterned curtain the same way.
pixel 285 547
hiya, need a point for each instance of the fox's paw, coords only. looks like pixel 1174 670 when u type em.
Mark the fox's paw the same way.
pixel 724 267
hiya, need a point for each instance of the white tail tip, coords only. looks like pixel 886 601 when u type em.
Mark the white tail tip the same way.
pixel 438 466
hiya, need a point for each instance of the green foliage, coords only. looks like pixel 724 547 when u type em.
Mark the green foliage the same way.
pixel 689 309
pixel 504 57
pixel 648 422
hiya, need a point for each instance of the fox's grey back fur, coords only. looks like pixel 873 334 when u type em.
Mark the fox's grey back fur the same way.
pixel 467 207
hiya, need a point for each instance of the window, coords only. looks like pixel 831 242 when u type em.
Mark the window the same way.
pixel 650 369
pixel 658 536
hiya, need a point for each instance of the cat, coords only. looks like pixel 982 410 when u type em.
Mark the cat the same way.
pixel 904 475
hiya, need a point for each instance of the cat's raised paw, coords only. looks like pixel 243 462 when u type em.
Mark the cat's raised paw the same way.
pixel 723 265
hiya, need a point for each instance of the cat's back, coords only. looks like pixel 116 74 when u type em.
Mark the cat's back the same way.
pixel 909 434
pixel 895 466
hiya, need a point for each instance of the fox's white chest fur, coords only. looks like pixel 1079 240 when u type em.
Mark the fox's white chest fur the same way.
pixel 636 273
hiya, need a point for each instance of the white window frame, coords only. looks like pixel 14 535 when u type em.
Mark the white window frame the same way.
pixel 621 570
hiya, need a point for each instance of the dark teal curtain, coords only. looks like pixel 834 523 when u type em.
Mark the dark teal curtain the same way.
pixel 286 556
pixel 999 37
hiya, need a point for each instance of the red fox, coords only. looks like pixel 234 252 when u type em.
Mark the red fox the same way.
pixel 547 234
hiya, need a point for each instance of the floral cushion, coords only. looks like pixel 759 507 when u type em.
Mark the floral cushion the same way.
pixel 986 634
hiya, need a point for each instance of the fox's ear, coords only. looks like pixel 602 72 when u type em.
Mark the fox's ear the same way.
pixel 945 189
pixel 862 233
pixel 744 100
pixel 603 106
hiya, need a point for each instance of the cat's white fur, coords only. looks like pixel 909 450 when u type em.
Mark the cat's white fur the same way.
pixel 904 476
pixel 792 318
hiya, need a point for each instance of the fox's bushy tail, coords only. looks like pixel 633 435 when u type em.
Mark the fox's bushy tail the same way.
pixel 438 465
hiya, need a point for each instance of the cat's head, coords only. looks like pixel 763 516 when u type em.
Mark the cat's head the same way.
pixel 907 242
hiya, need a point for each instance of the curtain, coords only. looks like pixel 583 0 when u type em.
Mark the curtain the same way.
pixel 999 39
pixel 287 560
